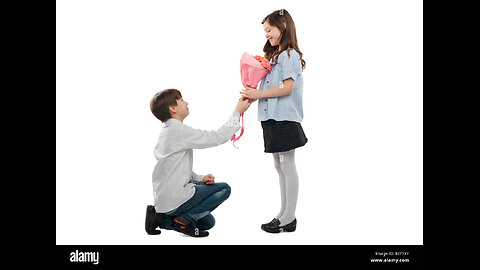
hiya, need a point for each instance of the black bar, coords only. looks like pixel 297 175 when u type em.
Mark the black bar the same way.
pixel 258 256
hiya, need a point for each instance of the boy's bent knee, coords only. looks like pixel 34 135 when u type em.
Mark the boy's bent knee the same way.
pixel 224 193
pixel 223 186
pixel 227 189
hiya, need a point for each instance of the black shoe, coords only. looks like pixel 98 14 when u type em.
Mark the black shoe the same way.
pixel 274 226
pixel 152 221
pixel 269 223
pixel 183 225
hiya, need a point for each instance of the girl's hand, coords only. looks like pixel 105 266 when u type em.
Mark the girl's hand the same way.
pixel 251 93
pixel 209 179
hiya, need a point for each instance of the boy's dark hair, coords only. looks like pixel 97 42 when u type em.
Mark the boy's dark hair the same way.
pixel 161 101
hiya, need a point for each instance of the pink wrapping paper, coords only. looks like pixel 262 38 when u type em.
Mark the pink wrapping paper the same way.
pixel 252 71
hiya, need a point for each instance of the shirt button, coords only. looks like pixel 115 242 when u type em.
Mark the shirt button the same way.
pixel 265 110
pixel 267 81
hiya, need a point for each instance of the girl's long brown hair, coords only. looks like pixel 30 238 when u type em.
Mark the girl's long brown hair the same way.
pixel 288 38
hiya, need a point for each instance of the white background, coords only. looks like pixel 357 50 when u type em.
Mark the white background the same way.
pixel 361 172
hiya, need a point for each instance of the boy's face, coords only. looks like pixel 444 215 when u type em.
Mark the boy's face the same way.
pixel 181 110
pixel 272 33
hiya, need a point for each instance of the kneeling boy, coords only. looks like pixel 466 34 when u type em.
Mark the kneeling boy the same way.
pixel 184 200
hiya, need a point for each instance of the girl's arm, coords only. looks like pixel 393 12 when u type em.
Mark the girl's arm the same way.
pixel 283 89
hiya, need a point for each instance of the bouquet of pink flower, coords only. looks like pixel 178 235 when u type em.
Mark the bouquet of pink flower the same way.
pixel 252 71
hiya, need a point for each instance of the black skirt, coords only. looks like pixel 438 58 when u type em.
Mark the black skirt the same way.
pixel 282 136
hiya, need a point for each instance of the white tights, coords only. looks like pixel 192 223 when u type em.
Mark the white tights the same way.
pixel 287 173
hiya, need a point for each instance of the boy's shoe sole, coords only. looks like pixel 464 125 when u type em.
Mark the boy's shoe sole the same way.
pixel 151 222
pixel 182 225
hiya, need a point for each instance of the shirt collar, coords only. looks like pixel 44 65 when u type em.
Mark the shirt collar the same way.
pixel 171 121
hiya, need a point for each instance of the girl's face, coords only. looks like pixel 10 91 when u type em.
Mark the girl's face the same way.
pixel 272 33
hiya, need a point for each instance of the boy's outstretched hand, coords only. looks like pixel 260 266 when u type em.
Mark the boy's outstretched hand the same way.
pixel 209 179
pixel 242 105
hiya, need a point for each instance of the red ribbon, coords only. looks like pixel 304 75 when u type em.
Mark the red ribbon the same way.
pixel 234 138
pixel 266 65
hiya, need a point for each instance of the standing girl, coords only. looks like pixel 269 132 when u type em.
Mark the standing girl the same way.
pixel 280 111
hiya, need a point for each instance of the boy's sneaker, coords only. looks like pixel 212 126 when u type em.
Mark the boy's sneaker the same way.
pixel 183 225
pixel 152 221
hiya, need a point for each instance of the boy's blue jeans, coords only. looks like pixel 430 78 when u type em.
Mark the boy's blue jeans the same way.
pixel 198 208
